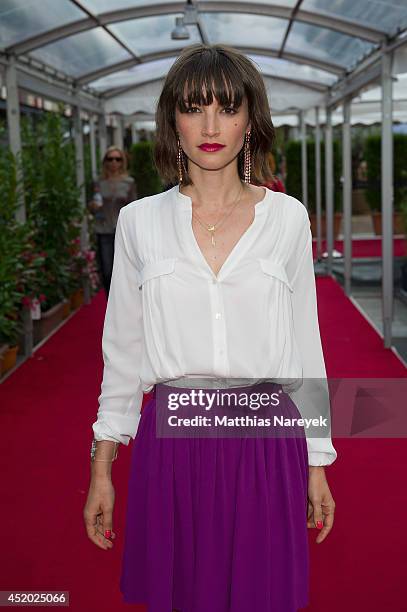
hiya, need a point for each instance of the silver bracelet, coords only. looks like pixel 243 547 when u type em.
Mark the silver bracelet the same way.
pixel 93 451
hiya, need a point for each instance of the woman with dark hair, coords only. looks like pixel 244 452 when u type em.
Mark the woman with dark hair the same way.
pixel 213 294
pixel 113 190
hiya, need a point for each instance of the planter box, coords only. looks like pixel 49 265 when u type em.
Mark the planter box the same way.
pixel 77 299
pixel 66 309
pixel 10 358
pixel 337 224
pixel 3 350
pixel 50 319
pixel 398 223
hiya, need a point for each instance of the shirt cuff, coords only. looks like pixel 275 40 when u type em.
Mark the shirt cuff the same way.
pixel 316 458
pixel 103 431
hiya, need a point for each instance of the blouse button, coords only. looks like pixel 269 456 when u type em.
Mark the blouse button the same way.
pixel 218 315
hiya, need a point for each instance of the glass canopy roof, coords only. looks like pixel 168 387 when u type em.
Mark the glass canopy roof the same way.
pixel 115 47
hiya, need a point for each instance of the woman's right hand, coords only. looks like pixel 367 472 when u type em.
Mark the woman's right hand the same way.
pixel 98 511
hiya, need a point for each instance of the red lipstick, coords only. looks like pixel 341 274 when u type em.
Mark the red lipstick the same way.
pixel 211 147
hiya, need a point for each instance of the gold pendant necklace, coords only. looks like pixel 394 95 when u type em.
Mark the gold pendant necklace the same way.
pixel 213 227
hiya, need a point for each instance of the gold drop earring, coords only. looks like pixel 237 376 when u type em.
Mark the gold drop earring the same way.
pixel 179 161
pixel 247 158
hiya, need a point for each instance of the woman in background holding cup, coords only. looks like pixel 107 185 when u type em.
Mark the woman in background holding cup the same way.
pixel 113 190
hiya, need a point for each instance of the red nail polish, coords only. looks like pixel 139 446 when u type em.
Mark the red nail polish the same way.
pixel 319 524
pixel 108 533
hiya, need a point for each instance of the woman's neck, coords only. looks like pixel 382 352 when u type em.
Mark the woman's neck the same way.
pixel 213 188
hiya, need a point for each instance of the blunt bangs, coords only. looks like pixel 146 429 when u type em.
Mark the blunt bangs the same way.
pixel 206 77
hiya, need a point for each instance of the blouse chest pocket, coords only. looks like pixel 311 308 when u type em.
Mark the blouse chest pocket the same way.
pixel 156 269
pixel 275 270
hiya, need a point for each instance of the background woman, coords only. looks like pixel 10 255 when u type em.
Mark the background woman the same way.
pixel 213 281
pixel 113 190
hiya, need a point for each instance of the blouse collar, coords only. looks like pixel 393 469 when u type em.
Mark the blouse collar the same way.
pixel 185 201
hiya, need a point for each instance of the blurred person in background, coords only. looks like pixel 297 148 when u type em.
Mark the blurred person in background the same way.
pixel 111 191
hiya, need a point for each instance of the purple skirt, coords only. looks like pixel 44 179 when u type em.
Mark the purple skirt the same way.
pixel 216 524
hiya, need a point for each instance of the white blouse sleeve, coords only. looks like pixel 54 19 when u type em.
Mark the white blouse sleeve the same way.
pixel 312 397
pixel 121 392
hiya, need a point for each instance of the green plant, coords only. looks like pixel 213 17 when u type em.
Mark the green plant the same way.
pixel 12 237
pixel 53 200
pixel 31 264
pixel 372 155
pixel 294 181
pixel 10 295
pixel 83 264
pixel 143 169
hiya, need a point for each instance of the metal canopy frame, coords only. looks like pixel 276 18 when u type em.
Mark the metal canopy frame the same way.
pixel 151 57
pixel 291 14
pixel 345 26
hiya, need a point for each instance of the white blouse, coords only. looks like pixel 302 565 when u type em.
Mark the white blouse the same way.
pixel 170 317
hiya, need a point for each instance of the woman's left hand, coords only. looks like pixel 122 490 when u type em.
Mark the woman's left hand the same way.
pixel 321 505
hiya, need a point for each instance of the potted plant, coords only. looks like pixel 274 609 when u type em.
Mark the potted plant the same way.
pixel 12 236
pixel 10 297
pixel 3 350
pixel 52 306
pixel 32 261
pixel 82 265
pixel 10 331
pixel 55 209
pixel 77 263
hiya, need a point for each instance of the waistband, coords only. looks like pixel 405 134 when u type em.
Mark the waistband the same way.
pixel 216 383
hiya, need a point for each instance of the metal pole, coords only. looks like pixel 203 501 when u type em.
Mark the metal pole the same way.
pixel 118 132
pixel 102 135
pixel 347 195
pixel 387 198
pixel 80 181
pixel 134 135
pixel 329 189
pixel 318 182
pixel 13 126
pixel 304 175
pixel 92 140
pixel 295 130
pixel 14 137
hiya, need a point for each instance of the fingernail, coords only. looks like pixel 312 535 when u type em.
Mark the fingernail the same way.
pixel 108 533
pixel 319 524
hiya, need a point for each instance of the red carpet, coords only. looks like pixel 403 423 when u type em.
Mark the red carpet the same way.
pixel 371 247
pixel 46 410
pixel 362 564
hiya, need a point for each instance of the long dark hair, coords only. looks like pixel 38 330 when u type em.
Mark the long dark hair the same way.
pixel 199 74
